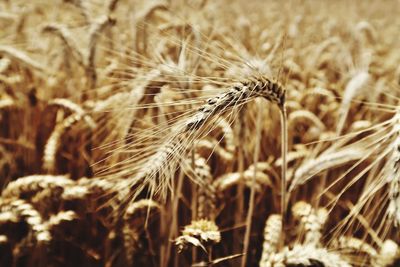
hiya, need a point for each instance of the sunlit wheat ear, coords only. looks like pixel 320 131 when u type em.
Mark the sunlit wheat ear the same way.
pixel 308 255
pixel 52 144
pixel 351 245
pixel 74 108
pixel 355 86
pixel 96 28
pixel 85 188
pixel 200 233
pixel 238 94
pixel 226 130
pixel 131 230
pixel 50 149
pixel 272 238
pixel 324 162
pixel 183 134
pixel 27 213
pixel 304 115
pixel 311 221
pixel 207 147
pixel 228 180
pixel 131 241
pixel 393 178
pixel 141 24
pixel 30 185
pixel 57 219
pixel 143 204
pixel 68 41
pixel 85 58
pixel 206 194
pixel 22 58
pixel 366 31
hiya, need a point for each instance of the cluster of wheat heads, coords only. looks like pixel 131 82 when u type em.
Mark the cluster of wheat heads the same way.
pixel 199 133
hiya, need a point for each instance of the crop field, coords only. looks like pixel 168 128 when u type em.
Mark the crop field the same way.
pixel 173 133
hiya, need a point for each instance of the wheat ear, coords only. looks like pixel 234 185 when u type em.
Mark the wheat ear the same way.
pixel 30 215
pixel 393 178
pixel 50 149
pixel 235 96
pixel 324 162
pixel 68 41
pixel 22 58
pixel 353 88
pixel 352 244
pixel 309 255
pixel 272 230
pixel 311 221
pixel 33 184
pixel 96 28
pixel 206 196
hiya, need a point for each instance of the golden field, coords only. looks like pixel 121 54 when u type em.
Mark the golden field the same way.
pixel 199 133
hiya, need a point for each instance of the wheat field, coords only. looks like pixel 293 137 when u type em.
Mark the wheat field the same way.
pixel 200 133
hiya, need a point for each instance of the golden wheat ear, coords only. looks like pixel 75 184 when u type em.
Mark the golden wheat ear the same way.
pixel 151 174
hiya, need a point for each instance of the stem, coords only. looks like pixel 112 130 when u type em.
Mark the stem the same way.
pixel 284 165
pixel 194 203
pixel 253 182
pixel 241 133
pixel 174 222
